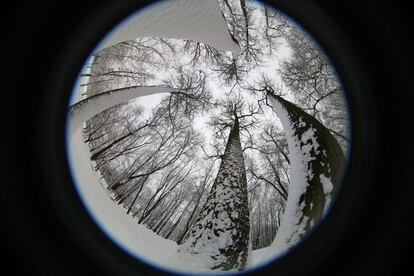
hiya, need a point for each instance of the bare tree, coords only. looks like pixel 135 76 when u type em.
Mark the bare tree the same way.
pixel 205 182
pixel 315 85
pixel 265 209
pixel 318 156
pixel 224 219
pixel 151 159
pixel 273 165
pixel 168 182
pixel 275 29
pixel 168 144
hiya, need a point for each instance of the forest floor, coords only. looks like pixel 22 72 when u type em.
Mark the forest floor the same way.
pixel 166 250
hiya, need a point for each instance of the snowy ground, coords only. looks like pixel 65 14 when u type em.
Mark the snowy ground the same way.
pixel 163 252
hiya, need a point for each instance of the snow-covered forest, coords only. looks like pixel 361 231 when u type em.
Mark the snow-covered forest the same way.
pixel 216 144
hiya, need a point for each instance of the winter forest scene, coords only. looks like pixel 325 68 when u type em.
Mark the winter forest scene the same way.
pixel 208 135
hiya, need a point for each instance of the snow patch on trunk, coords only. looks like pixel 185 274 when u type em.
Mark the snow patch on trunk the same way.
pixel 292 224
pixel 220 239
pixel 326 184
pixel 327 189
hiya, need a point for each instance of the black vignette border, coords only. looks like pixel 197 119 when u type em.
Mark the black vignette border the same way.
pixel 37 243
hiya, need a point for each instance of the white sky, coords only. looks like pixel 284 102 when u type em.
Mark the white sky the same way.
pixel 270 67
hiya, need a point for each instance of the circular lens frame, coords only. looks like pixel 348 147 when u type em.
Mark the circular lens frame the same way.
pixel 309 252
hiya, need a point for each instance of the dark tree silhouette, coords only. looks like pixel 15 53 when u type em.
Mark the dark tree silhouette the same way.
pixel 222 231
pixel 323 167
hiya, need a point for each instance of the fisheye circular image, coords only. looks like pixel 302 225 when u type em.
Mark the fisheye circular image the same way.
pixel 208 136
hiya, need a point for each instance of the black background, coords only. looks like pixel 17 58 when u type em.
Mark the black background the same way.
pixel 44 38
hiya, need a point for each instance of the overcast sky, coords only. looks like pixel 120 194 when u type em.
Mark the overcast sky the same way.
pixel 269 67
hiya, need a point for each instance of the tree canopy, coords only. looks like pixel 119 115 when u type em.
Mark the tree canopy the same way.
pixel 160 157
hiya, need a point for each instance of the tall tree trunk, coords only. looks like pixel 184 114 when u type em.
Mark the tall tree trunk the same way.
pixel 222 232
pixel 166 220
pixel 167 236
pixel 317 164
pixel 138 192
pixel 155 221
pixel 190 218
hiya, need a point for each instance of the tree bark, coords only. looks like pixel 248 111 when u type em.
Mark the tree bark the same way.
pixel 324 166
pixel 222 231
